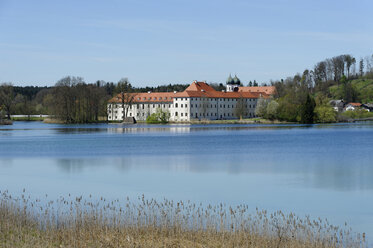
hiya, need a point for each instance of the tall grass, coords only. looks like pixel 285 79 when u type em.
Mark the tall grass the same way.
pixel 79 222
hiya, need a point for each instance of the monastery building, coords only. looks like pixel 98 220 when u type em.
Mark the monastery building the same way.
pixel 198 101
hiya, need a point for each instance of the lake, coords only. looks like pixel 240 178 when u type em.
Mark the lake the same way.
pixel 321 170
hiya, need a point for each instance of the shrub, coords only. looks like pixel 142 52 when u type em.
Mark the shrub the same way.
pixel 325 114
pixel 159 117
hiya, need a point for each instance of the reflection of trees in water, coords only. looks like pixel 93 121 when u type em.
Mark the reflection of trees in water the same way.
pixel 80 130
pixel 77 165
pixel 309 173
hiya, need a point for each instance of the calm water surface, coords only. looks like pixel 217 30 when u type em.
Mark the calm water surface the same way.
pixel 321 170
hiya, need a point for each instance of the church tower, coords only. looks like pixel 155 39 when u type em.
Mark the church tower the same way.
pixel 232 84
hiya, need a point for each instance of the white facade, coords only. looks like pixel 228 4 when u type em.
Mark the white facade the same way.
pixel 186 109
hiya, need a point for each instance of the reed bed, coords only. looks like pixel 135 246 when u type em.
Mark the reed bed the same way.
pixel 79 222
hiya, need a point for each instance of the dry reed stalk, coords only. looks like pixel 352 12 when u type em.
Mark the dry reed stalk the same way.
pixel 79 222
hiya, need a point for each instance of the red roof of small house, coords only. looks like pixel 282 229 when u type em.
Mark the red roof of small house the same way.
pixel 355 104
pixel 195 89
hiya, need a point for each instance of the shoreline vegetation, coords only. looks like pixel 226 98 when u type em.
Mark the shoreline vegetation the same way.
pixel 86 222
pixel 193 122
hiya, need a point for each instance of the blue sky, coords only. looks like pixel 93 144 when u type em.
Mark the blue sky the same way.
pixel 176 41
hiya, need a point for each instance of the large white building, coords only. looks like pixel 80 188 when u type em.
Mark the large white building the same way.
pixel 198 101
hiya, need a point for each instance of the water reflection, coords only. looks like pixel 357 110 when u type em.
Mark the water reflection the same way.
pixel 340 177
pixel 289 167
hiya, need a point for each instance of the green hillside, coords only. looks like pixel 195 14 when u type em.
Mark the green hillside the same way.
pixel 362 90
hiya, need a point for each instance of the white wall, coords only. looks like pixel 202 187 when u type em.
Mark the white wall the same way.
pixel 185 109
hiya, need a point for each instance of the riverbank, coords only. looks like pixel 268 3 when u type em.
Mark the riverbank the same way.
pixel 5 122
pixel 81 222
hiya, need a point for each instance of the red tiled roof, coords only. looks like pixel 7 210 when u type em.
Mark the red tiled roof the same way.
pixel 270 90
pixel 355 104
pixel 196 89
pixel 149 97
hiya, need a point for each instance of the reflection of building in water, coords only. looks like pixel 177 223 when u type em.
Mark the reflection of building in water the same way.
pixel 172 129
pixel 198 101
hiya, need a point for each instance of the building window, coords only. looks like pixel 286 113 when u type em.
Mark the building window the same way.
pixel 186 105
pixel 175 105
pixel 181 105
pixel 137 114
pixel 176 113
pixel 181 114
pixel 153 105
pixel 130 114
pixel 186 114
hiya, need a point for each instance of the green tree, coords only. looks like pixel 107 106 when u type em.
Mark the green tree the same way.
pixel 7 98
pixel 261 107
pixel 159 116
pixel 272 107
pixel 325 114
pixel 307 110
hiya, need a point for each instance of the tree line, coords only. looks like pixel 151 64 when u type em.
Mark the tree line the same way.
pixel 305 97
pixel 300 98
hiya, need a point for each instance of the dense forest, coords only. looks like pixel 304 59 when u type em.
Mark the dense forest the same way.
pixel 302 98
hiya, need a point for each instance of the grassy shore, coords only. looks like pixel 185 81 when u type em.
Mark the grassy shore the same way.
pixel 79 222
pixel 28 118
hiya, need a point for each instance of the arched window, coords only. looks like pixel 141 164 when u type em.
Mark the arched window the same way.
pixel 176 112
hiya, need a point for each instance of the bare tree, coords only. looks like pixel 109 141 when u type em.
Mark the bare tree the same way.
pixel 125 95
pixel 241 108
pixel 349 62
pixel 361 67
pixel 203 107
